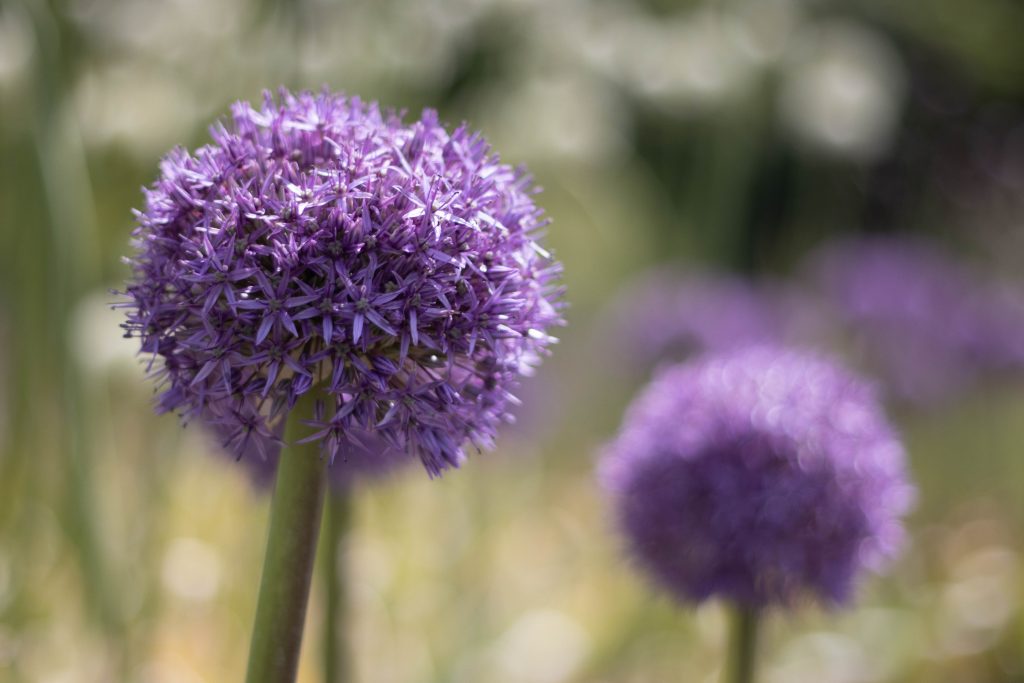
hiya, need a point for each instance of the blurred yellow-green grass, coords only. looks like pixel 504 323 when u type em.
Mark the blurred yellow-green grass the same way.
pixel 504 571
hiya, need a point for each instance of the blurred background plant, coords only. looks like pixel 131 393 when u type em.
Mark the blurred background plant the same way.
pixel 750 151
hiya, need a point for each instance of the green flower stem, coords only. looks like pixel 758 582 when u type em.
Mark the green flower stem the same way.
pixel 295 513
pixel 337 521
pixel 743 646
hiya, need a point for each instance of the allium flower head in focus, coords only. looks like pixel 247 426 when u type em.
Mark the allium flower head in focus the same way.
pixel 320 246
pixel 759 476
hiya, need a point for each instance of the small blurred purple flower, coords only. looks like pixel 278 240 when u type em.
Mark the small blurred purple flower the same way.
pixel 924 322
pixel 759 476
pixel 666 317
pixel 320 244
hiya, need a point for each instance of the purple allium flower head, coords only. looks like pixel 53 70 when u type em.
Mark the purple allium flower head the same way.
pixel 670 317
pixel 760 475
pixel 924 321
pixel 322 245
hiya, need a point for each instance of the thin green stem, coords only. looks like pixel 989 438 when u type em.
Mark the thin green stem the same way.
pixel 337 521
pixel 295 513
pixel 743 646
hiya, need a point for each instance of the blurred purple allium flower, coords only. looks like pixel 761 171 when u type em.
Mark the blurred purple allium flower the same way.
pixel 923 321
pixel 322 245
pixel 666 316
pixel 759 476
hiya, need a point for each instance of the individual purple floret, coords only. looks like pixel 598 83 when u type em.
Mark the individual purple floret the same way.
pixel 759 476
pixel 925 322
pixel 670 317
pixel 322 245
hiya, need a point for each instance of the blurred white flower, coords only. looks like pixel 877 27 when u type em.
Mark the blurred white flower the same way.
pixel 560 115
pixel 979 603
pixel 191 570
pixel 763 29
pixel 168 30
pixel 16 45
pixel 712 624
pixel 843 90
pixel 372 563
pixel 543 646
pixel 96 339
pixel 587 35
pixel 677 63
pixel 682 63
pixel 893 636
pixel 62 650
pixel 823 657
pixel 411 44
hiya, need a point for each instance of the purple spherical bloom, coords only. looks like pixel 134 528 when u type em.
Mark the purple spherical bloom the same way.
pixel 759 476
pixel 924 321
pixel 322 245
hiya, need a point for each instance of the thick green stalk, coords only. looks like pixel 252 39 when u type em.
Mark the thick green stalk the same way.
pixel 295 513
pixel 338 520
pixel 742 646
